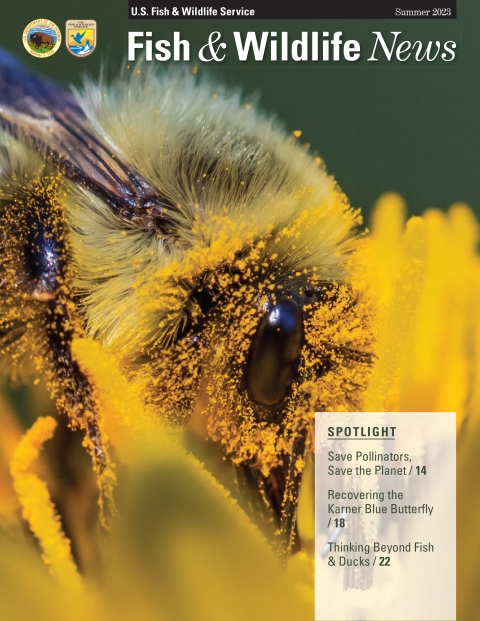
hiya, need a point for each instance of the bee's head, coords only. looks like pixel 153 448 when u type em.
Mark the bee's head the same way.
pixel 243 318
pixel 253 340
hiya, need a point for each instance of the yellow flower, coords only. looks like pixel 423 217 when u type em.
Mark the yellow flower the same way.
pixel 425 278
pixel 180 547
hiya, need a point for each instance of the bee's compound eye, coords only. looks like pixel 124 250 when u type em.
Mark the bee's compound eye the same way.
pixel 274 352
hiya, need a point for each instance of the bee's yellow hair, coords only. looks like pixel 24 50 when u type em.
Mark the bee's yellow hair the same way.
pixel 234 177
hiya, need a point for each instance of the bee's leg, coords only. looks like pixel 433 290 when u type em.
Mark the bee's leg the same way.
pixel 74 394
pixel 257 499
pixel 292 491
pixel 46 281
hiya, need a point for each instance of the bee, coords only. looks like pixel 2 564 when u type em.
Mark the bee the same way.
pixel 201 245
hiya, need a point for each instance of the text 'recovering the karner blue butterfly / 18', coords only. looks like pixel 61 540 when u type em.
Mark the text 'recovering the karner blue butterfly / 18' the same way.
pixel 385 516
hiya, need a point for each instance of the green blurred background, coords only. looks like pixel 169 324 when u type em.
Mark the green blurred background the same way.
pixel 413 130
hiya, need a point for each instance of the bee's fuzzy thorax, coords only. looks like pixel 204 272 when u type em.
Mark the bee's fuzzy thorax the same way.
pixel 231 177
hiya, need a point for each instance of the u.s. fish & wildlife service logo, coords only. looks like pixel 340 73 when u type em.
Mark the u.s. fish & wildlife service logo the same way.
pixel 81 37
pixel 42 38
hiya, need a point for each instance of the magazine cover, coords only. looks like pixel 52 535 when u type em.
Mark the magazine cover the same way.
pixel 239 311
